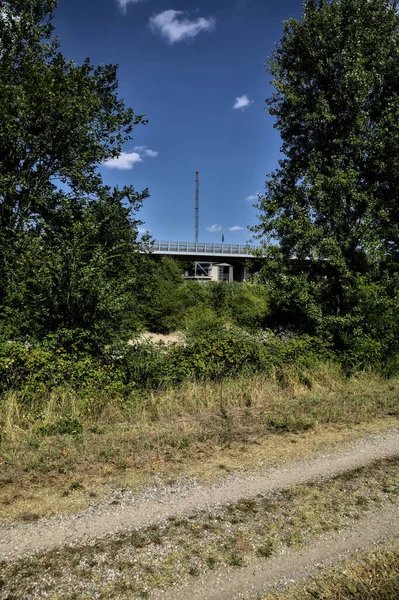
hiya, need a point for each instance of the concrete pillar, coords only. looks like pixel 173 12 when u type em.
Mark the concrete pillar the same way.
pixel 214 273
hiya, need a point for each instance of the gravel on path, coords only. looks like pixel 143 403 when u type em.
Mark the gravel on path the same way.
pixel 127 511
pixel 259 576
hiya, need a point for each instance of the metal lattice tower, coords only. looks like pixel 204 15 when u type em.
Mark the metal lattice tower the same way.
pixel 196 206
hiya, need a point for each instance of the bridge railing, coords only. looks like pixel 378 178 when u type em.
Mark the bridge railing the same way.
pixel 203 248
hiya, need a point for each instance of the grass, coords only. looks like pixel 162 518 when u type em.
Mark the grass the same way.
pixel 200 430
pixel 372 576
pixel 161 555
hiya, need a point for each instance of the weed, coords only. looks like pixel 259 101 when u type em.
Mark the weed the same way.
pixel 97 430
pixel 137 539
pixel 29 517
pixel 266 549
pixel 193 570
pixel 294 539
pixel 185 442
pixel 154 536
pixel 247 506
pixel 34 443
pixel 76 485
pixel 287 422
pixel 236 560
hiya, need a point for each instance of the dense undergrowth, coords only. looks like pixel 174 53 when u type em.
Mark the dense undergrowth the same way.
pixel 144 367
pixel 225 337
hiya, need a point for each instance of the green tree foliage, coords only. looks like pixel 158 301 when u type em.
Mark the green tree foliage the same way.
pixel 78 275
pixel 332 205
pixel 197 307
pixel 163 314
pixel 68 250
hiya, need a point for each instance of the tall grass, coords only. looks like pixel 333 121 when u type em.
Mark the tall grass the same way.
pixel 289 400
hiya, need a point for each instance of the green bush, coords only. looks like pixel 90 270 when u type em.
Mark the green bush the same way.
pixel 35 368
pixel 249 306
pixel 179 305
pixel 146 367
pixel 64 426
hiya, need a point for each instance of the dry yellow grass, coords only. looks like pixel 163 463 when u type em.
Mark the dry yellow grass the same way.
pixel 370 576
pixel 196 431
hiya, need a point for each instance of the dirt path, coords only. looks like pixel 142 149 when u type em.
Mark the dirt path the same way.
pixel 157 504
pixel 258 576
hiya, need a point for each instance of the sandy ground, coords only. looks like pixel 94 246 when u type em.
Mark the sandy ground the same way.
pixel 160 338
pixel 158 503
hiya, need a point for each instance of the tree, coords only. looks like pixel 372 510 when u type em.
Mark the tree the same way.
pixel 68 244
pixel 333 201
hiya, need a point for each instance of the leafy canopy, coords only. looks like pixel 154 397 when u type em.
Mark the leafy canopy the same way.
pixel 329 218
pixel 68 243
pixel 333 198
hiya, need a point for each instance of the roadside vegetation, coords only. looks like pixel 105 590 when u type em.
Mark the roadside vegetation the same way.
pixel 77 282
pixel 371 576
pixel 65 456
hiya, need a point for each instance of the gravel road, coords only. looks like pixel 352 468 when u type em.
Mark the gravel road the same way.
pixel 126 511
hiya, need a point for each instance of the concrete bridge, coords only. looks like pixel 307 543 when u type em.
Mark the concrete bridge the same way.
pixel 211 262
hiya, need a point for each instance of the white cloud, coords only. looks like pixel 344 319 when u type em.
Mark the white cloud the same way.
pixel 150 153
pixel 127 160
pixel 241 102
pixel 146 151
pixel 252 198
pixel 236 228
pixel 214 228
pixel 174 27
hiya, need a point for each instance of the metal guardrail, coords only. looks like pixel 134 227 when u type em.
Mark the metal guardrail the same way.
pixel 203 248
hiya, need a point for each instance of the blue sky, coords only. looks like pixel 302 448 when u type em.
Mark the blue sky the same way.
pixel 196 69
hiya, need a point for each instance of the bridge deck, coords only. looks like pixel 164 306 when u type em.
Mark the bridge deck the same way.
pixel 204 249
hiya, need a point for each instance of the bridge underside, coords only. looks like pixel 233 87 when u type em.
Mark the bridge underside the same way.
pixel 211 268
pixel 206 270
pixel 221 262
pixel 208 262
pixel 214 268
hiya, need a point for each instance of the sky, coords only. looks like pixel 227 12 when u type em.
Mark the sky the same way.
pixel 195 68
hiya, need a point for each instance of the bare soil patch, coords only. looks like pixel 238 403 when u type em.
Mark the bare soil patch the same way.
pixel 166 339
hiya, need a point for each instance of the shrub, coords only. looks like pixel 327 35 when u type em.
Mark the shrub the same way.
pixel 66 425
pixel 249 306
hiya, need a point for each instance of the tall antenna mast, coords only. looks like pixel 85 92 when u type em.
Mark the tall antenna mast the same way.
pixel 196 206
